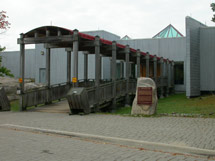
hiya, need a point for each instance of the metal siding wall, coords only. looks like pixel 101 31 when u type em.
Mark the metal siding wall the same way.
pixel 106 68
pixel 103 34
pixel 193 57
pixel 91 66
pixel 58 64
pixel 207 59
pixel 171 48
pixel 11 61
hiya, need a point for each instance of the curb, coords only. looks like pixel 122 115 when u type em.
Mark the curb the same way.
pixel 122 141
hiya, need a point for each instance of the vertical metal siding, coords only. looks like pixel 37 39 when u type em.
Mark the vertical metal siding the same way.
pixel 171 48
pixel 207 59
pixel 192 57
pixel 11 61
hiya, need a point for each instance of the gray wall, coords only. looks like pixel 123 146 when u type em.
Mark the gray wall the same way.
pixel 103 34
pixel 59 65
pixel 192 57
pixel 11 60
pixel 207 59
pixel 171 48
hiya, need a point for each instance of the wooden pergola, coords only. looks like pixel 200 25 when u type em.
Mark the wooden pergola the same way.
pixel 75 41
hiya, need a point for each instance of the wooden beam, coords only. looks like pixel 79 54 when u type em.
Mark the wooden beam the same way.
pixel 85 66
pixel 22 73
pixel 97 69
pixel 69 65
pixel 50 39
pixel 147 64
pixel 113 75
pixel 155 69
pixel 75 58
pixel 161 77
pixel 138 63
pixel 48 67
pixel 127 51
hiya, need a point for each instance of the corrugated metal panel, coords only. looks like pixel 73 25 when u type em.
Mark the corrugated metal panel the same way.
pixel 171 48
pixel 11 61
pixel 103 34
pixel 193 57
pixel 59 64
pixel 207 59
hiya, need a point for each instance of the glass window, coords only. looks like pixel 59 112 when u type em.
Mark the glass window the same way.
pixel 179 73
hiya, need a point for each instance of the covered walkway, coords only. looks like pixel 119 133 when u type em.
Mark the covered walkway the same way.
pixel 101 93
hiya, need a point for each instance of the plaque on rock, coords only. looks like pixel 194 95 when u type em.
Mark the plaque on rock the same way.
pixel 145 101
pixel 144 96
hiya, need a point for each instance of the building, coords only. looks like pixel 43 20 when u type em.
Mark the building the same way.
pixel 193 55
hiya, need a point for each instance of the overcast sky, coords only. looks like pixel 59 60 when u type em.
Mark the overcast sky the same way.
pixel 135 18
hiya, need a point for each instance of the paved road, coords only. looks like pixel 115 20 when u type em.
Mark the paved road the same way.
pixel 25 146
pixel 192 132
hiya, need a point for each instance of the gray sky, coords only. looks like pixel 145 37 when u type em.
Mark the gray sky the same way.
pixel 135 18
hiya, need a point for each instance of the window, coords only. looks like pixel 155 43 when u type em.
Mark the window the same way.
pixel 179 73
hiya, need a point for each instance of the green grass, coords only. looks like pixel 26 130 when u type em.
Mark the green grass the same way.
pixel 178 103
pixel 14 105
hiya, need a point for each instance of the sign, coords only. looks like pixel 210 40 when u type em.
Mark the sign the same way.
pixel 74 79
pixel 20 80
pixel 144 96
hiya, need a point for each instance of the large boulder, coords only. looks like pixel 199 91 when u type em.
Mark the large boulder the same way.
pixel 11 84
pixel 145 101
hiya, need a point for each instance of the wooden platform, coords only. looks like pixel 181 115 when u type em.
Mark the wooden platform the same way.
pixel 58 107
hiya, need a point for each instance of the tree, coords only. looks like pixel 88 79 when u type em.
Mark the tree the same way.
pixel 213 9
pixel 4 25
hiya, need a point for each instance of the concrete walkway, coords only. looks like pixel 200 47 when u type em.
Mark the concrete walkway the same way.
pixel 193 133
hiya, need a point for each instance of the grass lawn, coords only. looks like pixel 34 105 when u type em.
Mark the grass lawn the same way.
pixel 14 105
pixel 178 103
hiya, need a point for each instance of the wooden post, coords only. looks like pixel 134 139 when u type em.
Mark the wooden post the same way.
pixel 100 61
pixel 155 69
pixel 48 67
pixel 69 52
pixel 113 75
pixel 127 51
pixel 168 77
pixel 22 72
pixel 75 58
pixel 48 74
pixel 97 70
pixel 122 69
pixel 147 64
pixel 138 63
pixel 48 64
pixel 22 65
pixel 172 76
pixel 85 66
pixel 161 78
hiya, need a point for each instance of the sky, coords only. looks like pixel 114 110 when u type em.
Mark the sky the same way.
pixel 135 18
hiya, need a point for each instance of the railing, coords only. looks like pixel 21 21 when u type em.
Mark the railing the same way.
pixel 105 91
pixel 120 88
pixel 44 95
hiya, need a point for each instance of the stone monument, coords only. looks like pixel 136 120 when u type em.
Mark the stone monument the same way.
pixel 145 101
